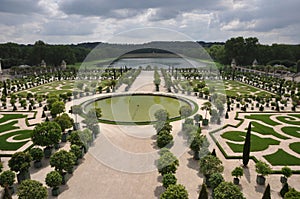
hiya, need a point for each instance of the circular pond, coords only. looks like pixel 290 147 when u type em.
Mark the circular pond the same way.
pixel 137 108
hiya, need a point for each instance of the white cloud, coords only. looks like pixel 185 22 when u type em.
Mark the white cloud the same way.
pixel 73 21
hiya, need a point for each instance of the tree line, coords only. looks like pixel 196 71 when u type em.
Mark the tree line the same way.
pixel 13 54
pixel 243 50
pixel 246 50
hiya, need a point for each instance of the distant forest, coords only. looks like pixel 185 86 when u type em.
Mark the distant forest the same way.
pixel 243 50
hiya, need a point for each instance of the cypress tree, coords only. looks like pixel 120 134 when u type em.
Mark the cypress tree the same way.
pixel 43 114
pixel 203 193
pixel 247 145
pixel 214 153
pixel 284 189
pixel 267 193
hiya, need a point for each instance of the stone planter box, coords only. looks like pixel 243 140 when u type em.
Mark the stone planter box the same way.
pixel 47 152
pixel 37 164
pixel 64 137
pixel 55 191
pixel 261 180
pixel 283 179
pixel 236 181
pixel 23 176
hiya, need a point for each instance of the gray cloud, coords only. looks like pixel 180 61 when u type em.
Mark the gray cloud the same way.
pixel 63 21
pixel 165 8
pixel 20 7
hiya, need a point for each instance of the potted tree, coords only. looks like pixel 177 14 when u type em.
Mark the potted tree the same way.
pixel 77 151
pixel 287 172
pixel 263 169
pixel 7 179
pixel 32 189
pixel 46 134
pixel 20 163
pixel 207 107
pixel 63 162
pixel 237 173
pixel 210 164
pixel 81 138
pixel 65 122
pixel 37 155
pixel 53 180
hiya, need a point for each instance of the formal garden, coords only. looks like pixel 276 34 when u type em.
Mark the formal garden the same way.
pixel 49 123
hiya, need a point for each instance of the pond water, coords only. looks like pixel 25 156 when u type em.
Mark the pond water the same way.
pixel 159 62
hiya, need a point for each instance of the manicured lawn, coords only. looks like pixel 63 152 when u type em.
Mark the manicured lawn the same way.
pixel 7 117
pixel 9 126
pixel 51 88
pixel 291 130
pixel 265 130
pixel 262 117
pixel 257 143
pixel 295 147
pixel 12 146
pixel 289 120
pixel 282 158
pixel 137 108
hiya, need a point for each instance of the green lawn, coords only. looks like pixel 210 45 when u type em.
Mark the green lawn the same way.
pixel 262 117
pixel 289 120
pixel 7 117
pixel 12 146
pixel 282 158
pixel 257 143
pixel 291 130
pixel 136 108
pixel 9 126
pixel 295 147
pixel 51 88
pixel 265 130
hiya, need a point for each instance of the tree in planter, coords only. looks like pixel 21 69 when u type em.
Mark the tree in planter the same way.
pixel 185 111
pixel 263 169
pixel 7 179
pixel 207 107
pixel 209 165
pixel 215 179
pixel 46 134
pixel 164 138
pixel 57 108
pixel 287 172
pixel 167 163
pixel 53 180
pixel 203 193
pixel 267 193
pixel 228 190
pixel 169 179
pixel 63 161
pixel 76 110
pixel 81 138
pixel 91 119
pixel 198 118
pixel 32 189
pixel 196 145
pixel 77 151
pixel 20 163
pixel 37 155
pixel 65 122
pixel 175 192
pixel 247 146
pixel 161 115
pixel 237 173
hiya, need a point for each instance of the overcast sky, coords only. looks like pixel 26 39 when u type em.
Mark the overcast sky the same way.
pixel 75 21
